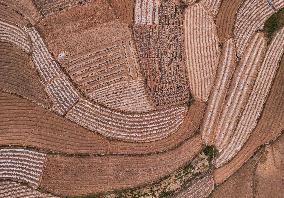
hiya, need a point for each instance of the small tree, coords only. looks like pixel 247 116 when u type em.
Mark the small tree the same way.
pixel 210 151
pixel 274 23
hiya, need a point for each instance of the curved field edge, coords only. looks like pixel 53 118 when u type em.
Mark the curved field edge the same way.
pixel 242 182
pixel 270 126
pixel 35 127
pixel 166 186
pixel 84 175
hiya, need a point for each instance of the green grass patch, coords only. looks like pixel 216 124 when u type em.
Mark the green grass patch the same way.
pixel 274 23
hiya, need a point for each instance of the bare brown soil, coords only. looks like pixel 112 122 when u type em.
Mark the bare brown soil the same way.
pixel 10 16
pixel 25 7
pixel 19 76
pixel 36 127
pixel 226 17
pixel 123 10
pixel 269 172
pixel 241 183
pixel 48 7
pixel 269 127
pixel 78 176
pixel 195 173
pixel 75 19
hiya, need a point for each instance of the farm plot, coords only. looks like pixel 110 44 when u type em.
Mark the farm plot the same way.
pixel 21 165
pixel 161 57
pixel 202 51
pixel 75 19
pixel 10 16
pixel 145 127
pixel 18 190
pixel 103 65
pixel 14 35
pixel 256 101
pixel 146 12
pixel 126 96
pixel 269 171
pixel 211 5
pixel 108 65
pixel 123 10
pixel 43 60
pixel 241 183
pixel 240 90
pixel 77 176
pixel 250 18
pixel 225 19
pixel 47 7
pixel 39 128
pixel 62 93
pixel 26 8
pixel 171 184
pixel 269 127
pixel 199 188
pixel 216 100
pixel 18 75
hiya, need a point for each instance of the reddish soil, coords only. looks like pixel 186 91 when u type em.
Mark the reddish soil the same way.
pixel 270 171
pixel 19 76
pixel 10 16
pixel 123 10
pixel 76 19
pixel 226 18
pixel 24 7
pixel 78 176
pixel 241 183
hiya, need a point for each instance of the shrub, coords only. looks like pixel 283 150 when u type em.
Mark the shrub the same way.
pixel 210 151
pixel 274 23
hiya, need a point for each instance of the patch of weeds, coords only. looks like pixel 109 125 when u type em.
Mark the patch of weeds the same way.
pixel 89 196
pixel 166 194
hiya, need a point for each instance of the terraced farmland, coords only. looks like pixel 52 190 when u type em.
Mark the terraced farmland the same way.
pixel 141 98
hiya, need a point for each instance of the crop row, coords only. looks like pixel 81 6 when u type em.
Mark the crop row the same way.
pixel 18 190
pixel 146 12
pixel 15 35
pixel 240 89
pixel 60 90
pixel 212 5
pixel 125 96
pixel 199 188
pixel 137 127
pixel 250 18
pixel 21 165
pixel 256 101
pixel 202 51
pixel 216 100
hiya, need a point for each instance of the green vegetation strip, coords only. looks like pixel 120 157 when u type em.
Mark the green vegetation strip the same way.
pixel 171 184
pixel 274 23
